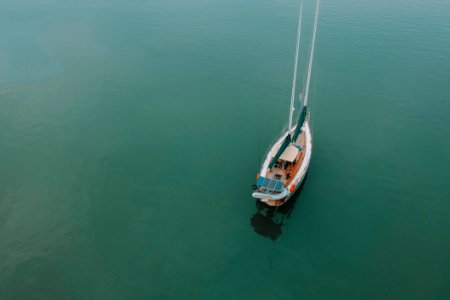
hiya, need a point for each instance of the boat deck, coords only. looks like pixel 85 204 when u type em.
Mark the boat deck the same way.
pixel 286 175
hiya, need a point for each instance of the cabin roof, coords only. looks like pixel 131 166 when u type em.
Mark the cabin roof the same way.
pixel 289 154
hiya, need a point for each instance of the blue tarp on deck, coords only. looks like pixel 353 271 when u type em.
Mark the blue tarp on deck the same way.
pixel 270 184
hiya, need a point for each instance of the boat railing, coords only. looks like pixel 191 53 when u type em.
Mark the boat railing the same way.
pixel 268 191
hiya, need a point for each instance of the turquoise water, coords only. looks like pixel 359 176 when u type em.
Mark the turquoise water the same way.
pixel 129 135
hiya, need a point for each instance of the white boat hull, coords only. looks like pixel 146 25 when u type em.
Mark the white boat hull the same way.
pixel 291 188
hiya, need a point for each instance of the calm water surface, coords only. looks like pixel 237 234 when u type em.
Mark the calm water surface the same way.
pixel 129 135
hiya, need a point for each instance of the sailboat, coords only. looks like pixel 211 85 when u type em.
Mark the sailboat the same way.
pixel 287 162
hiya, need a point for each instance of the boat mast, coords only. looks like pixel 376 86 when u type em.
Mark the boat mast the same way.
pixel 294 81
pixel 308 78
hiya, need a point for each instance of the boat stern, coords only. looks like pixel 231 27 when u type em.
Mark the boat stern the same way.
pixel 270 190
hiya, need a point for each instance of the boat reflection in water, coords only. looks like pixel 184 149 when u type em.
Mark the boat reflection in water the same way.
pixel 268 221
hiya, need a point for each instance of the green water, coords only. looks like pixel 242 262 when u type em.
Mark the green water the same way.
pixel 129 135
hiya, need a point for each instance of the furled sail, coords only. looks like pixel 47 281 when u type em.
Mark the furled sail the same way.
pixel 301 120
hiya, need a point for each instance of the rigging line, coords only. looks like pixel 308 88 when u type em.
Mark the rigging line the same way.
pixel 312 53
pixel 294 81
pixel 259 153
pixel 315 82
pixel 313 110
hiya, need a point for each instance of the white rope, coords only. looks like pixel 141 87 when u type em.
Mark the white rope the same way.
pixel 294 81
pixel 308 79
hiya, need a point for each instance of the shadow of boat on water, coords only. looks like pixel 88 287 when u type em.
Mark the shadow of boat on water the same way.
pixel 268 221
